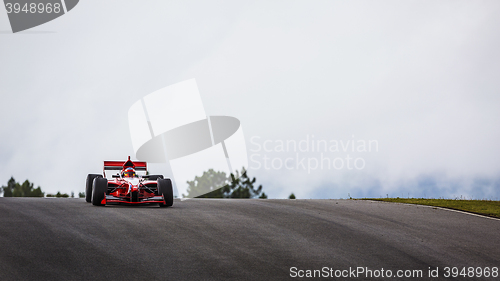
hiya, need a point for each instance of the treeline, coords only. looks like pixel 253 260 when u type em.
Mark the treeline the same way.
pixel 65 195
pixel 214 184
pixel 26 189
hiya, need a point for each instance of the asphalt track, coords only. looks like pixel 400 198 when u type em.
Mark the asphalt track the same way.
pixel 68 239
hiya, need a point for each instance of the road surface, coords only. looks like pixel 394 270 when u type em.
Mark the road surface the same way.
pixel 209 239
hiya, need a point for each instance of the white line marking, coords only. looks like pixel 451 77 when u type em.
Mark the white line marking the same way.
pixel 458 211
pixel 446 209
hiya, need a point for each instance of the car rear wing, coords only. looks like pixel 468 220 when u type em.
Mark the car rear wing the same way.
pixel 120 165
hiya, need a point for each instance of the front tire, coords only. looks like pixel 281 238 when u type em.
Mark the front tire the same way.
pixel 99 189
pixel 88 186
pixel 165 188
pixel 155 177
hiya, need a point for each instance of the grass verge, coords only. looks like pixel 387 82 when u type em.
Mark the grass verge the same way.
pixel 482 207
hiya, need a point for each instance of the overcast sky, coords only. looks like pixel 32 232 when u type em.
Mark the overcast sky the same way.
pixel 419 77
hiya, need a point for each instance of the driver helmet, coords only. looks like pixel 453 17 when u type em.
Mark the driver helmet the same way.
pixel 129 173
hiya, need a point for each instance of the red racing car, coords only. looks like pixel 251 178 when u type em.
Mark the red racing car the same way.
pixel 127 187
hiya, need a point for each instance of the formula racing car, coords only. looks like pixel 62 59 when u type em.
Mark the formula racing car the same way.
pixel 127 187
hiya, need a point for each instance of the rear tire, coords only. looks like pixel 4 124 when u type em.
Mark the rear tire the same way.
pixel 165 188
pixel 99 189
pixel 88 186
pixel 155 177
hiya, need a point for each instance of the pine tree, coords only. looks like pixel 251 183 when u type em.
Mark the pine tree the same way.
pixel 207 186
pixel 9 189
pixel 14 189
pixel 214 184
pixel 242 187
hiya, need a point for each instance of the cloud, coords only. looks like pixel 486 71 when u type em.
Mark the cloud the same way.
pixel 418 77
